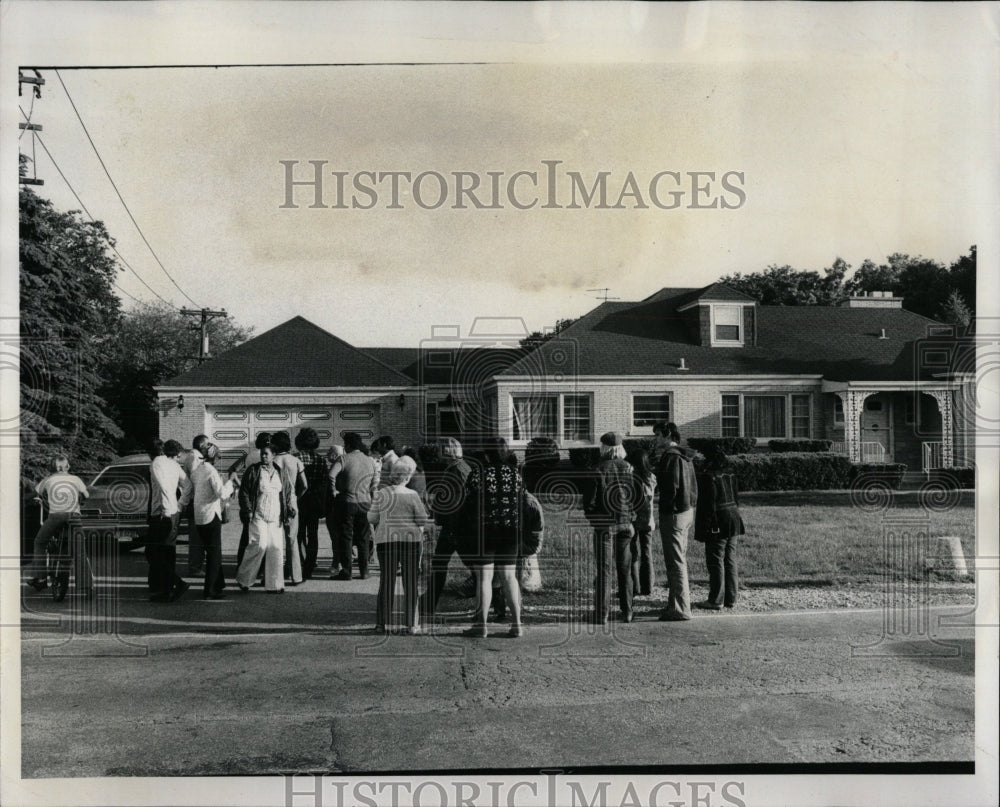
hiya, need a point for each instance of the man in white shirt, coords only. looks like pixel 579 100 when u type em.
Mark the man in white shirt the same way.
pixel 196 550
pixel 210 497
pixel 166 477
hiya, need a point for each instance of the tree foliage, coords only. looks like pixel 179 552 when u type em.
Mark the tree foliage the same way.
pixel 783 285
pixel 69 321
pixel 536 338
pixel 156 343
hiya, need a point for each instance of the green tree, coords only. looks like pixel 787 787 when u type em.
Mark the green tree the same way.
pixel 155 343
pixel 69 318
pixel 955 311
pixel 962 277
pixel 783 285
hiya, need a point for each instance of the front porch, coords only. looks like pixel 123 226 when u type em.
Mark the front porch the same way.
pixel 876 424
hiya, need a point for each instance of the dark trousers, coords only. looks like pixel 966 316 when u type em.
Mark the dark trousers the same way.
pixel 196 550
pixel 447 545
pixel 405 556
pixel 211 539
pixel 353 529
pixel 611 547
pixel 720 558
pixel 163 554
pixel 310 511
pixel 642 563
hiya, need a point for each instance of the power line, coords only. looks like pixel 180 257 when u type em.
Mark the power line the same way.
pixel 120 198
pixel 91 216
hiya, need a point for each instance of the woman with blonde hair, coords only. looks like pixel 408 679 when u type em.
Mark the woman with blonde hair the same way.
pixel 399 516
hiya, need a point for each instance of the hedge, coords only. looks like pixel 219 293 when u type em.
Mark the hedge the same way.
pixel 788 471
pixel 954 477
pixel 541 455
pixel 890 474
pixel 727 445
pixel 799 446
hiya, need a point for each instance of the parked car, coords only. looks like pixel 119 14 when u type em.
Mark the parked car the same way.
pixel 119 499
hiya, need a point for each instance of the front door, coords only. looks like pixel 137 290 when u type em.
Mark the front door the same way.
pixel 876 429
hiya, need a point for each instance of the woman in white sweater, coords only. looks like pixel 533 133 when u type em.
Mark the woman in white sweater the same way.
pixel 398 516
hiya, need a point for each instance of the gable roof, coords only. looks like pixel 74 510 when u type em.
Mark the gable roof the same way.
pixel 650 338
pixel 296 353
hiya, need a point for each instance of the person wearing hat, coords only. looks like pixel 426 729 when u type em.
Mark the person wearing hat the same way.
pixel 675 478
pixel 608 504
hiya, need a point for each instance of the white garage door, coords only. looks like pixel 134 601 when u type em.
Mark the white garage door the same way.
pixel 235 428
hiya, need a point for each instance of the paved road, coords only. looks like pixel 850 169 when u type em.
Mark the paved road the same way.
pixel 264 684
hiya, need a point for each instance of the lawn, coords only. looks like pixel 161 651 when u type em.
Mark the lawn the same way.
pixel 809 540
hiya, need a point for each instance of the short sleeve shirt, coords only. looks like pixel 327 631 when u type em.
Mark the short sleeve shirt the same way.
pixel 62 491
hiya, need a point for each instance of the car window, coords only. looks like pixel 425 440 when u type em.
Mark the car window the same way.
pixel 115 474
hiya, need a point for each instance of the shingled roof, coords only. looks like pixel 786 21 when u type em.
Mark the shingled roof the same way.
pixel 296 353
pixel 457 366
pixel 650 337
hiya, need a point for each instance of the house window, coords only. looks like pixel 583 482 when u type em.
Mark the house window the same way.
pixel 800 416
pixel 838 412
pixel 430 421
pixel 728 324
pixel 730 415
pixel 566 417
pixel 648 410
pixel 766 416
pixel 576 417
pixel 909 411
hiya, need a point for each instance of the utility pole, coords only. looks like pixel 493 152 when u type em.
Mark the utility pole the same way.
pixel 36 82
pixel 205 314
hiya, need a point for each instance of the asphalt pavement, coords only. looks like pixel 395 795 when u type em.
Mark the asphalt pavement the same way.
pixel 300 683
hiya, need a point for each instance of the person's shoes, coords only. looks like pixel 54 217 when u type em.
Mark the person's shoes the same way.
pixel 290 583
pixel 242 587
pixel 38 585
pixel 667 617
pixel 161 597
pixel 215 597
pixel 178 591
pixel 708 606
pixel 515 632
pixel 414 630
pixel 628 617
pixel 380 630
pixel 334 572
pixel 731 606
pixel 476 632
pixel 363 576
pixel 275 591
pixel 342 576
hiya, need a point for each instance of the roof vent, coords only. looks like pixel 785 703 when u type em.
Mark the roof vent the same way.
pixel 683 365
pixel 881 334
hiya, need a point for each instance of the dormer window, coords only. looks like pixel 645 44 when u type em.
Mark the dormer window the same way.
pixel 727 325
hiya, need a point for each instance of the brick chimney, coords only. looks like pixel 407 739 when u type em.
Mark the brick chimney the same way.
pixel 875 299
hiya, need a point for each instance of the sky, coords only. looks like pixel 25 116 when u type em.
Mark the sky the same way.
pixel 849 135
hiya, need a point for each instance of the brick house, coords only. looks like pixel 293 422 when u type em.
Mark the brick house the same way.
pixel 883 383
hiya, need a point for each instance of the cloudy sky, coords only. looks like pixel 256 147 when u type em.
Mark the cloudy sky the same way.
pixel 856 132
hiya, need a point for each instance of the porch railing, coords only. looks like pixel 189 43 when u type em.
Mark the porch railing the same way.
pixel 933 456
pixel 871 453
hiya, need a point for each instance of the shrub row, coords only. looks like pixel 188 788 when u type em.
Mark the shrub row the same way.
pixel 799 446
pixel 728 445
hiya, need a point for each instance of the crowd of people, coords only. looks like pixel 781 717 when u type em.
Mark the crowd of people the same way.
pixel 375 499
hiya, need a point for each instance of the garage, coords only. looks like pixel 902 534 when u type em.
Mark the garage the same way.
pixel 235 428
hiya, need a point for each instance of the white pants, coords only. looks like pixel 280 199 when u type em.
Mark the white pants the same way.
pixel 267 543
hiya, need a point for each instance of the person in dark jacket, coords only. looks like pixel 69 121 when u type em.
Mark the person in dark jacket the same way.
pixel 644 487
pixel 264 505
pixel 608 505
pixel 263 439
pixel 312 503
pixel 717 523
pixel 447 497
pixel 678 486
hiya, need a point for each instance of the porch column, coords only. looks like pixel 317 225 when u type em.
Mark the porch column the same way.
pixel 944 402
pixel 853 402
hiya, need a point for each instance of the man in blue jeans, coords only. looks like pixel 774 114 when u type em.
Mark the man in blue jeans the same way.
pixel 678 488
